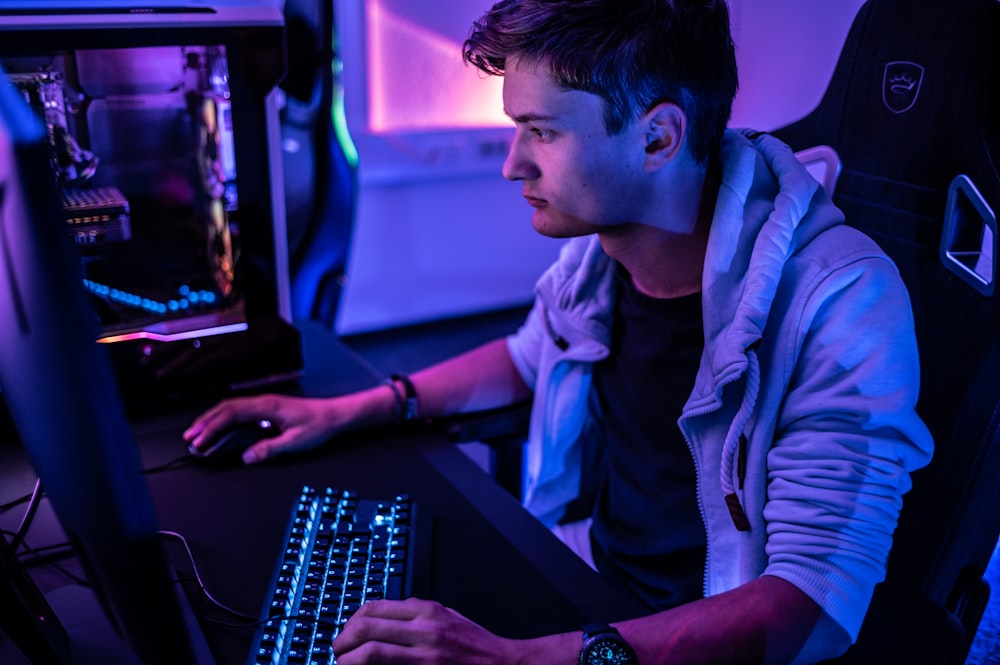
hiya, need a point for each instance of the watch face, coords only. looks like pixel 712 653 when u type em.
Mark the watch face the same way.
pixel 607 651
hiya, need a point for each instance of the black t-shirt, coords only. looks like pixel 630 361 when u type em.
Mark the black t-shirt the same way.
pixel 647 535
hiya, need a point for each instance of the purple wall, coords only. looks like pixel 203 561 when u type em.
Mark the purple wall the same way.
pixel 434 213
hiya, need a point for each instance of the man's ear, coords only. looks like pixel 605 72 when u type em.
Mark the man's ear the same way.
pixel 665 128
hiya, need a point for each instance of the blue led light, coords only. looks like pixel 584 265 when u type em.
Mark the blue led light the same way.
pixel 188 298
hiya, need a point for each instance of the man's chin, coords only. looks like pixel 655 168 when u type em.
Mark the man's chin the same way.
pixel 560 227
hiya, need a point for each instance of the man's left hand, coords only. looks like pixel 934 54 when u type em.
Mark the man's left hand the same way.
pixel 388 632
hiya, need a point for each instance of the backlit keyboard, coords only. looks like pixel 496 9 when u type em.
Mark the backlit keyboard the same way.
pixel 340 552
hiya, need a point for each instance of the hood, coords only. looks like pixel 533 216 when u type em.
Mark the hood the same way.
pixel 581 295
pixel 768 207
pixel 768 201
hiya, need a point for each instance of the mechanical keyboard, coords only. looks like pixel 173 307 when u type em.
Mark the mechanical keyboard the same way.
pixel 340 551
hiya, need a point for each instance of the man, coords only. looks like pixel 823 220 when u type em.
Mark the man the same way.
pixel 756 530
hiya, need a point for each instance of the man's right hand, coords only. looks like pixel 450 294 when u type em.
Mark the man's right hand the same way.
pixel 302 423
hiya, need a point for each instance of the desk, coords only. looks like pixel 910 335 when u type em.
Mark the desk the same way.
pixel 490 559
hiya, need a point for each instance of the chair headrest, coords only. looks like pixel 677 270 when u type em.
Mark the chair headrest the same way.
pixel 914 96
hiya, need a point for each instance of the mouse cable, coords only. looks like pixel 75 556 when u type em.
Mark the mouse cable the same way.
pixel 183 460
pixel 173 535
pixel 30 496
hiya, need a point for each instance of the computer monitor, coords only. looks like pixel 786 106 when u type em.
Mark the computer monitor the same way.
pixel 162 124
pixel 64 400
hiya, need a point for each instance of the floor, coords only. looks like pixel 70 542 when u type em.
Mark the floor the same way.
pixel 410 348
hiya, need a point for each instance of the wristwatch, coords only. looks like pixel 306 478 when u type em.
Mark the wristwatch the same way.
pixel 604 645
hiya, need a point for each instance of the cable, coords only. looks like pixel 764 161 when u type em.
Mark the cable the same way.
pixel 29 514
pixel 49 555
pixel 55 550
pixel 252 621
pixel 34 499
pixel 14 502
pixel 177 462
pixel 201 585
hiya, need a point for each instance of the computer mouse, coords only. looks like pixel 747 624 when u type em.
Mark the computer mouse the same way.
pixel 227 448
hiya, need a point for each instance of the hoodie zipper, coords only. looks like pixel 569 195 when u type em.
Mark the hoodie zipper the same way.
pixel 697 482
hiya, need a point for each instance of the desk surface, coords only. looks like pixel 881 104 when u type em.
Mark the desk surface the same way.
pixel 490 560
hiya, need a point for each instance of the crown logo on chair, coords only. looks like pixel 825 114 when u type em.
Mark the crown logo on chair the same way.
pixel 901 84
pixel 901 81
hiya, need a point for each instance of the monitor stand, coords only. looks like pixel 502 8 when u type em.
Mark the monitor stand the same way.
pixel 68 625
pixel 26 616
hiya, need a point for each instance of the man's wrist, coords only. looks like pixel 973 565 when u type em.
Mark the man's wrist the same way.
pixel 405 396
pixel 559 649
pixel 372 407
pixel 604 645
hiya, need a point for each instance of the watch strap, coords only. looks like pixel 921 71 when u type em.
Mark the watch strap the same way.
pixel 591 629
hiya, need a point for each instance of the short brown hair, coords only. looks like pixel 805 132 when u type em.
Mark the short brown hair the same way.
pixel 633 54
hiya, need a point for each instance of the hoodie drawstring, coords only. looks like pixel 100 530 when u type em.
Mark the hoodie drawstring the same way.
pixel 734 449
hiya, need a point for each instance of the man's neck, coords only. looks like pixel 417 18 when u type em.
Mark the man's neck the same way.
pixel 668 263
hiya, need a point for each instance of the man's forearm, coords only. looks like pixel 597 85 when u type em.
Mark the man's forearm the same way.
pixel 483 378
pixel 765 621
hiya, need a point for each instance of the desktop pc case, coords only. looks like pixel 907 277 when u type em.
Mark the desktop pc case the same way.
pixel 164 148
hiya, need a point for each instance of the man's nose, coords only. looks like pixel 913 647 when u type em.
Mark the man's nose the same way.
pixel 518 166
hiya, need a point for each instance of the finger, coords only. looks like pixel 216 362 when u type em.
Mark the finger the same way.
pixel 224 414
pixel 382 653
pixel 201 435
pixel 365 630
pixel 209 420
pixel 399 610
pixel 387 621
pixel 198 425
pixel 205 428
pixel 267 448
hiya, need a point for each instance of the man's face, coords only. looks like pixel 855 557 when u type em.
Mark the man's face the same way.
pixel 578 179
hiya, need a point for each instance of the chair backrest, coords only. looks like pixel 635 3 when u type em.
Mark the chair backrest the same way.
pixel 912 110
pixel 320 179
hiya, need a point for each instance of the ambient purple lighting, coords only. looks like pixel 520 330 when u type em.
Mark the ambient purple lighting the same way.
pixel 416 77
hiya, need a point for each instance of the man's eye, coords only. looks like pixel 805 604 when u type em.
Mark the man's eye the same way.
pixel 541 133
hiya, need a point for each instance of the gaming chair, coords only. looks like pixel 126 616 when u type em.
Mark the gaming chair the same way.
pixel 913 111
pixel 320 179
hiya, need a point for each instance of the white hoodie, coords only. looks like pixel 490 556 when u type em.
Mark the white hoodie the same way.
pixel 810 360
